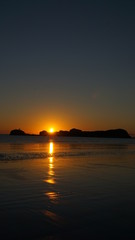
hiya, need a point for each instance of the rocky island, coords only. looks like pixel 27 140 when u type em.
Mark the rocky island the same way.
pixel 17 132
pixel 113 133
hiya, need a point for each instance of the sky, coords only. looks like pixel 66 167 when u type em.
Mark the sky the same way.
pixel 66 64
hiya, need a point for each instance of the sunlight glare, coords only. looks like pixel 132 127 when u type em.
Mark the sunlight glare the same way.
pixel 51 130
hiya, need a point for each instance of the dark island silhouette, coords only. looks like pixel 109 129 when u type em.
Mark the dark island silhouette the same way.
pixel 112 133
pixel 17 132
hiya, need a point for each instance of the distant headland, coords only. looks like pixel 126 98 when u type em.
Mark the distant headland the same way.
pixel 112 133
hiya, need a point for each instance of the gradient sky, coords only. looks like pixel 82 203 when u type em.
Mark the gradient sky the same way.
pixel 66 64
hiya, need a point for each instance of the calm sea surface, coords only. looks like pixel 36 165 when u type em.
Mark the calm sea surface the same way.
pixel 66 188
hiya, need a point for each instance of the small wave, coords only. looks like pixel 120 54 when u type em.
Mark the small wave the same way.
pixel 7 156
pixel 24 156
pixel 21 156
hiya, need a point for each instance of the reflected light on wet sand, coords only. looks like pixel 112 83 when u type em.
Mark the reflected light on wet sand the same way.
pixel 52 196
pixel 50 180
pixel 51 166
pixel 51 172
pixel 53 217
pixel 51 148
pixel 51 160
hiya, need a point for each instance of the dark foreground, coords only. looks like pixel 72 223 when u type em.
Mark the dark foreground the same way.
pixel 69 189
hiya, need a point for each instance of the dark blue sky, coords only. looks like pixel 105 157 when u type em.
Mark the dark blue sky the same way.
pixel 67 64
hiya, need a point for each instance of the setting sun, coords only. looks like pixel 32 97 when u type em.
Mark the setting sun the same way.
pixel 51 130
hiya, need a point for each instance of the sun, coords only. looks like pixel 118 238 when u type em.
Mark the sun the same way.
pixel 51 130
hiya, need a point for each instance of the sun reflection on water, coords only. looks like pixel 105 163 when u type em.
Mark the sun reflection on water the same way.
pixel 51 194
pixel 50 180
pixel 51 160
pixel 51 148
pixel 51 172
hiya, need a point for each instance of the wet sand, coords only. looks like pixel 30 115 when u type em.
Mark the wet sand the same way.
pixel 70 190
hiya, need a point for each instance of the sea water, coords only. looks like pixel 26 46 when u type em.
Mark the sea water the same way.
pixel 66 188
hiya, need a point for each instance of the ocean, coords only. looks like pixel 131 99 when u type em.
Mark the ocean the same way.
pixel 66 188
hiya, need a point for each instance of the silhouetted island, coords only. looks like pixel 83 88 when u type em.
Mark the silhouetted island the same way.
pixel 113 133
pixel 17 132
pixel 43 133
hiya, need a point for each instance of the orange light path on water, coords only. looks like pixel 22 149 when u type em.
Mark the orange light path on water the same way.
pixel 51 148
pixel 51 174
